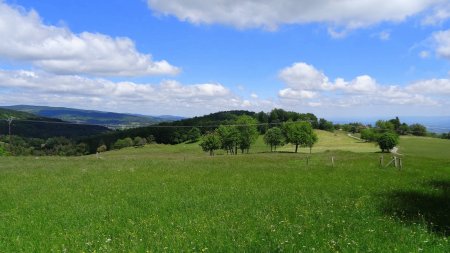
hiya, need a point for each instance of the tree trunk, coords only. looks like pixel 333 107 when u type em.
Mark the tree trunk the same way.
pixel 310 150
pixel 296 148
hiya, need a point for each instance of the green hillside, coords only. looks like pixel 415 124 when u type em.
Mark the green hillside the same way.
pixel 7 113
pixel 30 125
pixel 109 119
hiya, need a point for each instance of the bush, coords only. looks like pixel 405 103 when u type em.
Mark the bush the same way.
pixel 387 141
pixel 102 148
pixel 369 134
pixel 139 142
pixel 123 143
pixel 418 129
pixel 2 151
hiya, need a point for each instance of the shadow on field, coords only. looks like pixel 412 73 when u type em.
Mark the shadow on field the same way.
pixel 431 207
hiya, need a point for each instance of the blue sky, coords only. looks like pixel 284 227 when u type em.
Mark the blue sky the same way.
pixel 358 58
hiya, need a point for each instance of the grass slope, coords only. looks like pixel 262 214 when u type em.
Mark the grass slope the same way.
pixel 425 147
pixel 176 198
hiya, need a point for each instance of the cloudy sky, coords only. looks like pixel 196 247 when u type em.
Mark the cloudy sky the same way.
pixel 349 58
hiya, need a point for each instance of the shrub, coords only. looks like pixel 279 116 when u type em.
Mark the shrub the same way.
pixel 387 141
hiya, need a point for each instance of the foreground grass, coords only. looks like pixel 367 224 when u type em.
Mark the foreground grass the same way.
pixel 175 198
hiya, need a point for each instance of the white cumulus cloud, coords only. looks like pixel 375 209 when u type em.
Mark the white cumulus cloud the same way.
pixel 432 86
pixel 302 76
pixel 167 97
pixel 269 14
pixel 24 37
pixel 308 86
pixel 297 94
pixel 439 14
pixel 442 43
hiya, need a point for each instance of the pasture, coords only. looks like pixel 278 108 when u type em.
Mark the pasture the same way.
pixel 163 198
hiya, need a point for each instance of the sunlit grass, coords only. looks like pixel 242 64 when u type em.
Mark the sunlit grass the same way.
pixel 177 198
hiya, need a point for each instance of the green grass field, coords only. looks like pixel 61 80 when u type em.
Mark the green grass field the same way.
pixel 178 199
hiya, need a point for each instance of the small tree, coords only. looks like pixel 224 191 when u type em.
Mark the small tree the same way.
pixel 273 138
pixel 139 141
pixel 210 143
pixel 369 134
pixel 418 129
pixel 311 140
pixel 248 132
pixel 326 125
pixel 123 143
pixel 387 141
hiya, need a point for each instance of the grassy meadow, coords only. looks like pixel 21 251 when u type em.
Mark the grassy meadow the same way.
pixel 163 198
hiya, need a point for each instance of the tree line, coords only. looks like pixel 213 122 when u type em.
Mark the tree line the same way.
pixel 182 131
pixel 244 133
pixel 386 132
pixel 23 146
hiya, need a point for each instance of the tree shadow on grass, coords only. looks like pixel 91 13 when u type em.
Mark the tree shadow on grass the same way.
pixel 431 207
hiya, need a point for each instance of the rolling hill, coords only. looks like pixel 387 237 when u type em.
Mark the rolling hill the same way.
pixel 26 124
pixel 108 119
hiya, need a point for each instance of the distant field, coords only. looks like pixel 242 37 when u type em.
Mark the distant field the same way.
pixel 425 147
pixel 177 198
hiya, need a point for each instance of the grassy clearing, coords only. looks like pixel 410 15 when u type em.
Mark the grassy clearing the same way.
pixel 176 198
pixel 425 147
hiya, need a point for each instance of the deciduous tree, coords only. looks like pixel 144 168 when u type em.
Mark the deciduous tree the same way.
pixel 210 142
pixel 274 137
pixel 248 132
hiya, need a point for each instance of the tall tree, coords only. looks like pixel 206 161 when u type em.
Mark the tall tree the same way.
pixel 248 132
pixel 229 138
pixel 299 133
pixel 326 125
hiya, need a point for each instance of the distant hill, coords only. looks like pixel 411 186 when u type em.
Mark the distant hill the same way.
pixel 108 119
pixel 26 124
pixel 20 115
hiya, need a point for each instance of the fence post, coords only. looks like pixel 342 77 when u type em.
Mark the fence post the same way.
pixel 332 161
